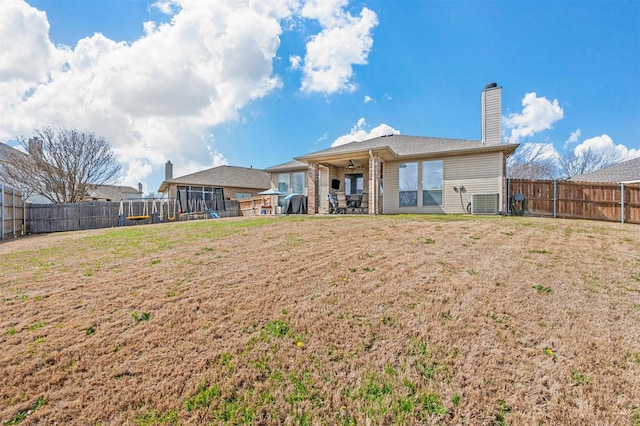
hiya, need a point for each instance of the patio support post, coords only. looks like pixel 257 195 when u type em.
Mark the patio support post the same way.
pixel 374 183
pixel 312 191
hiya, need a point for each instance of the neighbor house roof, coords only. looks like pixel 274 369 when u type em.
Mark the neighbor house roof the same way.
pixel 287 167
pixel 6 151
pixel 627 171
pixel 397 147
pixel 113 193
pixel 221 176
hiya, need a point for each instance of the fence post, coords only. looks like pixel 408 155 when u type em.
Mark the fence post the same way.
pixel 555 198
pixel 13 210
pixel 2 211
pixel 622 202
pixel 508 197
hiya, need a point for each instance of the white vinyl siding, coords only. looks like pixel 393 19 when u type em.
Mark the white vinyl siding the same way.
pixel 480 174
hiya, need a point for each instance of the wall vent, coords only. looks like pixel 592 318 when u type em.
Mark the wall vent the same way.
pixel 485 203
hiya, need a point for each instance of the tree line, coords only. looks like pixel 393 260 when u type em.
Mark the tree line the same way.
pixel 532 161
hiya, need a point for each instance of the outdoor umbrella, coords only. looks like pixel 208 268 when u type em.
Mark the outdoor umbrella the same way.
pixel 270 193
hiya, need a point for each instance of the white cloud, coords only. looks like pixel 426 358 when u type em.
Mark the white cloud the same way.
pixel 367 99
pixel 26 52
pixel 295 61
pixel 153 99
pixel 604 145
pixel 538 114
pixel 168 7
pixel 574 138
pixel 359 134
pixel 344 41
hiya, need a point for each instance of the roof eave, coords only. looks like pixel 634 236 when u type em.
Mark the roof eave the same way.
pixel 389 154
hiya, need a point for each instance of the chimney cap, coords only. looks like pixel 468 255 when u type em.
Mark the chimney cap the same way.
pixel 491 85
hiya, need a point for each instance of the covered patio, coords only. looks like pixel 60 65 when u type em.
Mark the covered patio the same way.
pixel 344 183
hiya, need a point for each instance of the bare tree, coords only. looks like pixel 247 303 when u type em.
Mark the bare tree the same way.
pixel 62 165
pixel 531 162
pixel 585 161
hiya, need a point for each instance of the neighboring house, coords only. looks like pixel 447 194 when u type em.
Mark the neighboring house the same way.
pixel 213 186
pixel 113 193
pixel 415 174
pixel 625 172
pixel 5 153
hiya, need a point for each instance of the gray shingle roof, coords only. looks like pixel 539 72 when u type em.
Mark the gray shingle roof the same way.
pixel 114 192
pixel 289 166
pixel 627 171
pixel 408 146
pixel 231 176
pixel 6 151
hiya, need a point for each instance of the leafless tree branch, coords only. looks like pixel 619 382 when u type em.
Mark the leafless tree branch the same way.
pixel 62 165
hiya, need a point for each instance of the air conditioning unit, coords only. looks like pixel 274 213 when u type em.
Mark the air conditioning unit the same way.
pixel 485 203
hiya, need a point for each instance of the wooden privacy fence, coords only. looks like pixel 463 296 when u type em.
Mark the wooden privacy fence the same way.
pixel 11 213
pixel 45 218
pixel 616 202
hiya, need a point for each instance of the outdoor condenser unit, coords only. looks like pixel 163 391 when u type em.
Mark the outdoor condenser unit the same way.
pixel 485 203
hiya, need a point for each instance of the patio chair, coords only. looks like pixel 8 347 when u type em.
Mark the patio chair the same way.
pixel 342 202
pixel 364 203
pixel 333 203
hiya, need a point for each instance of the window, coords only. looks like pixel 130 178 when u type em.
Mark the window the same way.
pixel 283 183
pixel 432 183
pixel 408 184
pixel 241 195
pixel 353 183
pixel 298 183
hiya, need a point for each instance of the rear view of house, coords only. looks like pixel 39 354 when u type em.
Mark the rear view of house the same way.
pixel 413 174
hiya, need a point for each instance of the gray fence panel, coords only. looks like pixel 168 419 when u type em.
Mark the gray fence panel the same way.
pixel 11 213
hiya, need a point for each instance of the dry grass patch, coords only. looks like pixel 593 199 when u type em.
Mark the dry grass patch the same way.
pixel 324 320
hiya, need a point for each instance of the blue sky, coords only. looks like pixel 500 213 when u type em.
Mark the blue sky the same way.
pixel 256 83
